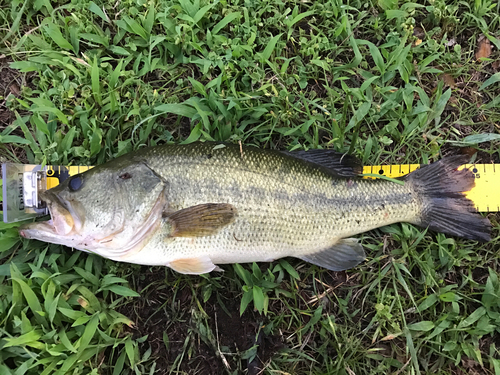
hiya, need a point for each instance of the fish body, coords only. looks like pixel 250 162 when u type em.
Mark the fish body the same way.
pixel 191 207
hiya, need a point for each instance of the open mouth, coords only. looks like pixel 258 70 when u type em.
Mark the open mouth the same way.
pixel 63 219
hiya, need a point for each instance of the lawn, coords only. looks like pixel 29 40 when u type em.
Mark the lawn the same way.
pixel 391 82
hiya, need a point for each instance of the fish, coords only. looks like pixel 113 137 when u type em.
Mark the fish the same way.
pixel 194 207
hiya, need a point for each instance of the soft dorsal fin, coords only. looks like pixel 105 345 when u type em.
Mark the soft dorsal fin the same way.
pixel 201 220
pixel 337 163
pixel 345 254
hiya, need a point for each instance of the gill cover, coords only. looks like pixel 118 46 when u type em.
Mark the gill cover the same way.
pixel 111 210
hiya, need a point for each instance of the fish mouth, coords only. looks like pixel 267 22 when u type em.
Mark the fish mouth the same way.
pixel 64 220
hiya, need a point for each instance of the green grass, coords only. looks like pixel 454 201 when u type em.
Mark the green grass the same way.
pixel 97 79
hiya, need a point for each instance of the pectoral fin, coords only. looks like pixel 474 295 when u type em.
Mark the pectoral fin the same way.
pixel 193 266
pixel 345 254
pixel 201 220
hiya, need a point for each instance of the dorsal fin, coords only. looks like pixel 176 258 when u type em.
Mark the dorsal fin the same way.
pixel 337 163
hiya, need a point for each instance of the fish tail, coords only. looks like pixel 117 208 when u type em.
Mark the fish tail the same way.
pixel 445 208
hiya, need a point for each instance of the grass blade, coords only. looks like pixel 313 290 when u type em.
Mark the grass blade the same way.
pixel 177 109
pixel 490 81
pixel 136 27
pixel 199 14
pixel 29 339
pixel 266 54
pixel 122 291
pixel 94 8
pixel 29 295
pixel 43 105
pixel 88 333
pixel 27 134
pixel 96 84
pixel 300 17
pixel 55 34
pixel 150 19
pixel 225 21
pixel 481 138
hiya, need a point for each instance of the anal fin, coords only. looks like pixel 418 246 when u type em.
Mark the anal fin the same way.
pixel 193 266
pixel 346 253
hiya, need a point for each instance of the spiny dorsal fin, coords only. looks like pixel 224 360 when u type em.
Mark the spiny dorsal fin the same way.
pixel 339 164
pixel 201 220
pixel 345 254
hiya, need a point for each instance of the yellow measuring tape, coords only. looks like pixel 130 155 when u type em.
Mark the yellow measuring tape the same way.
pixel 56 171
pixel 485 194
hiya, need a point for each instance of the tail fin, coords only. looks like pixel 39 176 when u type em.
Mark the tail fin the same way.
pixel 445 207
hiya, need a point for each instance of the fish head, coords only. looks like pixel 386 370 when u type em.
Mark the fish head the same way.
pixel 110 210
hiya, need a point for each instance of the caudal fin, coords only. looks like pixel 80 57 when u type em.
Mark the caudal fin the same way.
pixel 446 209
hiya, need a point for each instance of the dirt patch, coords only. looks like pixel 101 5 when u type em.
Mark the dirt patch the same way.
pixel 468 366
pixel 213 339
pixel 178 126
pixel 11 83
pixel 187 335
pixel 482 157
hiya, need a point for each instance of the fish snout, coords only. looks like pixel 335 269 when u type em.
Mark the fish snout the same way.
pixel 60 212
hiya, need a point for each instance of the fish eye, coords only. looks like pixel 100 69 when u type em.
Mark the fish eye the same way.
pixel 75 183
pixel 125 176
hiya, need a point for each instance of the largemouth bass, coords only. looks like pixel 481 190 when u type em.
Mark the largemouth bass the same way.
pixel 191 207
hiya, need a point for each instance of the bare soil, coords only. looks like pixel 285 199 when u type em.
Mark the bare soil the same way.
pixel 11 82
pixel 170 336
